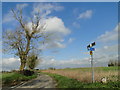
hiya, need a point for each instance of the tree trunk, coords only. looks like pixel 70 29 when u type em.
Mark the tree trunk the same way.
pixel 23 62
pixel 24 55
pixel 22 66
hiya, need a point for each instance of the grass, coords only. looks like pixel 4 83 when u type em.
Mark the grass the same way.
pixel 65 82
pixel 9 79
pixel 84 74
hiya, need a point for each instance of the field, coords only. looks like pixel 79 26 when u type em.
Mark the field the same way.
pixel 84 74
pixel 65 82
pixel 81 77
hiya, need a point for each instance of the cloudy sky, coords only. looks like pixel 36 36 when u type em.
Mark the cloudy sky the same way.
pixel 74 26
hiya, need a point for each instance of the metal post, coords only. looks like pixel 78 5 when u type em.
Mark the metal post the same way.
pixel 92 67
pixel 89 47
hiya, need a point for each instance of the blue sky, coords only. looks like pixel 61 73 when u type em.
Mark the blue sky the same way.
pixel 77 24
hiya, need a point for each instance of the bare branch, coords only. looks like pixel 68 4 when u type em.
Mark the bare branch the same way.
pixel 20 39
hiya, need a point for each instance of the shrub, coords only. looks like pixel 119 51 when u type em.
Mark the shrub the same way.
pixel 32 61
pixel 27 72
pixel 113 63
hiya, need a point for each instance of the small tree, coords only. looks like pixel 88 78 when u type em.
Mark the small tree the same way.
pixel 32 61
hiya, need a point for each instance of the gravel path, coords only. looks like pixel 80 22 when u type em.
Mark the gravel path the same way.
pixel 42 81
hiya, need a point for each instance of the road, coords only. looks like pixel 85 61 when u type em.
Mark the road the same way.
pixel 42 81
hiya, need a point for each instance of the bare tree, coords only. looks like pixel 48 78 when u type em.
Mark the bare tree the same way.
pixel 23 39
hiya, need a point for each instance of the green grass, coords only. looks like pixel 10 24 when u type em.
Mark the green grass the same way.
pixel 9 79
pixel 65 82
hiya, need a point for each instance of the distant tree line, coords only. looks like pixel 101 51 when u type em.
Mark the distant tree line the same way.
pixel 113 63
pixel 52 68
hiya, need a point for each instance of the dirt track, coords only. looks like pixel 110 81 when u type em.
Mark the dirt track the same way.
pixel 42 81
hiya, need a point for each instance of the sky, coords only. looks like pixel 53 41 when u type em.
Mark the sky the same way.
pixel 75 25
pixel 60 0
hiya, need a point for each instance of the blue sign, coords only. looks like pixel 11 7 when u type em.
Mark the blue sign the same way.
pixel 92 49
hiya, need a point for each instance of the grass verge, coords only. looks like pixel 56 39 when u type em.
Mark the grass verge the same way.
pixel 10 79
pixel 65 82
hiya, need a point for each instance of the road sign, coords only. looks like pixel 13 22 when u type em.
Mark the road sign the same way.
pixel 92 49
pixel 91 53
pixel 91 45
pixel 88 47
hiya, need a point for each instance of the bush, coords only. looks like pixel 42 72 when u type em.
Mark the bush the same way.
pixel 27 72
pixel 113 63
pixel 32 61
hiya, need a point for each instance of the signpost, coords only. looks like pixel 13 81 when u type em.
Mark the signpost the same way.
pixel 89 47
pixel 92 67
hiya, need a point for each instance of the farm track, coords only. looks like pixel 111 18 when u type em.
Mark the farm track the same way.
pixel 42 81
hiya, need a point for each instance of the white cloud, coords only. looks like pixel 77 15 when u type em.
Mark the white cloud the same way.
pixel 46 8
pixel 75 24
pixel 75 63
pixel 109 35
pixel 55 24
pixel 57 31
pixel 101 58
pixel 71 40
pixel 21 6
pixel 105 47
pixel 72 63
pixel 52 62
pixel 9 60
pixel 108 50
pixel 86 14
pixel 10 63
